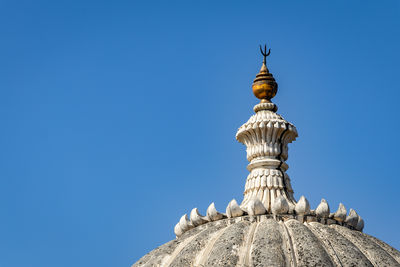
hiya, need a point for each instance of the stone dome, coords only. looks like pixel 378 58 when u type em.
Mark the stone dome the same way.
pixel 265 241
pixel 270 227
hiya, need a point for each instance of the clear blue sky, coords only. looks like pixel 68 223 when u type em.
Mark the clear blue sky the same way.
pixel 117 117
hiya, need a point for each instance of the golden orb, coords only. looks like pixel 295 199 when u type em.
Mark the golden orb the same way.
pixel 264 85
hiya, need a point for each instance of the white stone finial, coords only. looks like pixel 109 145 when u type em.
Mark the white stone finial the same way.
pixel 233 209
pixel 255 207
pixel 340 214
pixel 303 206
pixel 280 206
pixel 196 218
pixel 323 209
pixel 213 214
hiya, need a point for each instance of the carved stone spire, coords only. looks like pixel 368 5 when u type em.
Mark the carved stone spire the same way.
pixel 267 135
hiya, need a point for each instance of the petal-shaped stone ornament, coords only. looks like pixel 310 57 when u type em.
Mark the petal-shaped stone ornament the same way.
pixel 196 218
pixel 340 214
pixel 255 207
pixel 177 230
pixel 280 206
pixel 233 209
pixel 352 218
pixel 213 214
pixel 323 209
pixel 184 223
pixel 360 224
pixel 302 206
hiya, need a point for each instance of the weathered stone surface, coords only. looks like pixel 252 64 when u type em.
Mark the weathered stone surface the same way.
pixel 341 250
pixel 308 250
pixel 375 254
pixel 226 249
pixel 268 248
pixel 156 256
pixel 262 241
pixel 392 251
pixel 186 256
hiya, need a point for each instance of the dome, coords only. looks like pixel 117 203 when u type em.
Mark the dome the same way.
pixel 270 227
pixel 265 241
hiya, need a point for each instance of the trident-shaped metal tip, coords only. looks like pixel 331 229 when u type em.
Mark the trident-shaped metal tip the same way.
pixel 264 53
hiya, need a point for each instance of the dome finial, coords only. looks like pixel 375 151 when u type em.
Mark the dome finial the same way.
pixel 264 86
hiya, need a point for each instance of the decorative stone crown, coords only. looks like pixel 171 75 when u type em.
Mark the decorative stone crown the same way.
pixel 279 211
pixel 268 191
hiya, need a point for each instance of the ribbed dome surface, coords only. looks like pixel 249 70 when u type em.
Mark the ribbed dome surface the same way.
pixel 264 241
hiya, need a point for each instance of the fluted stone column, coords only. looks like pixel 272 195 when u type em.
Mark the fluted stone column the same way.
pixel 267 135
